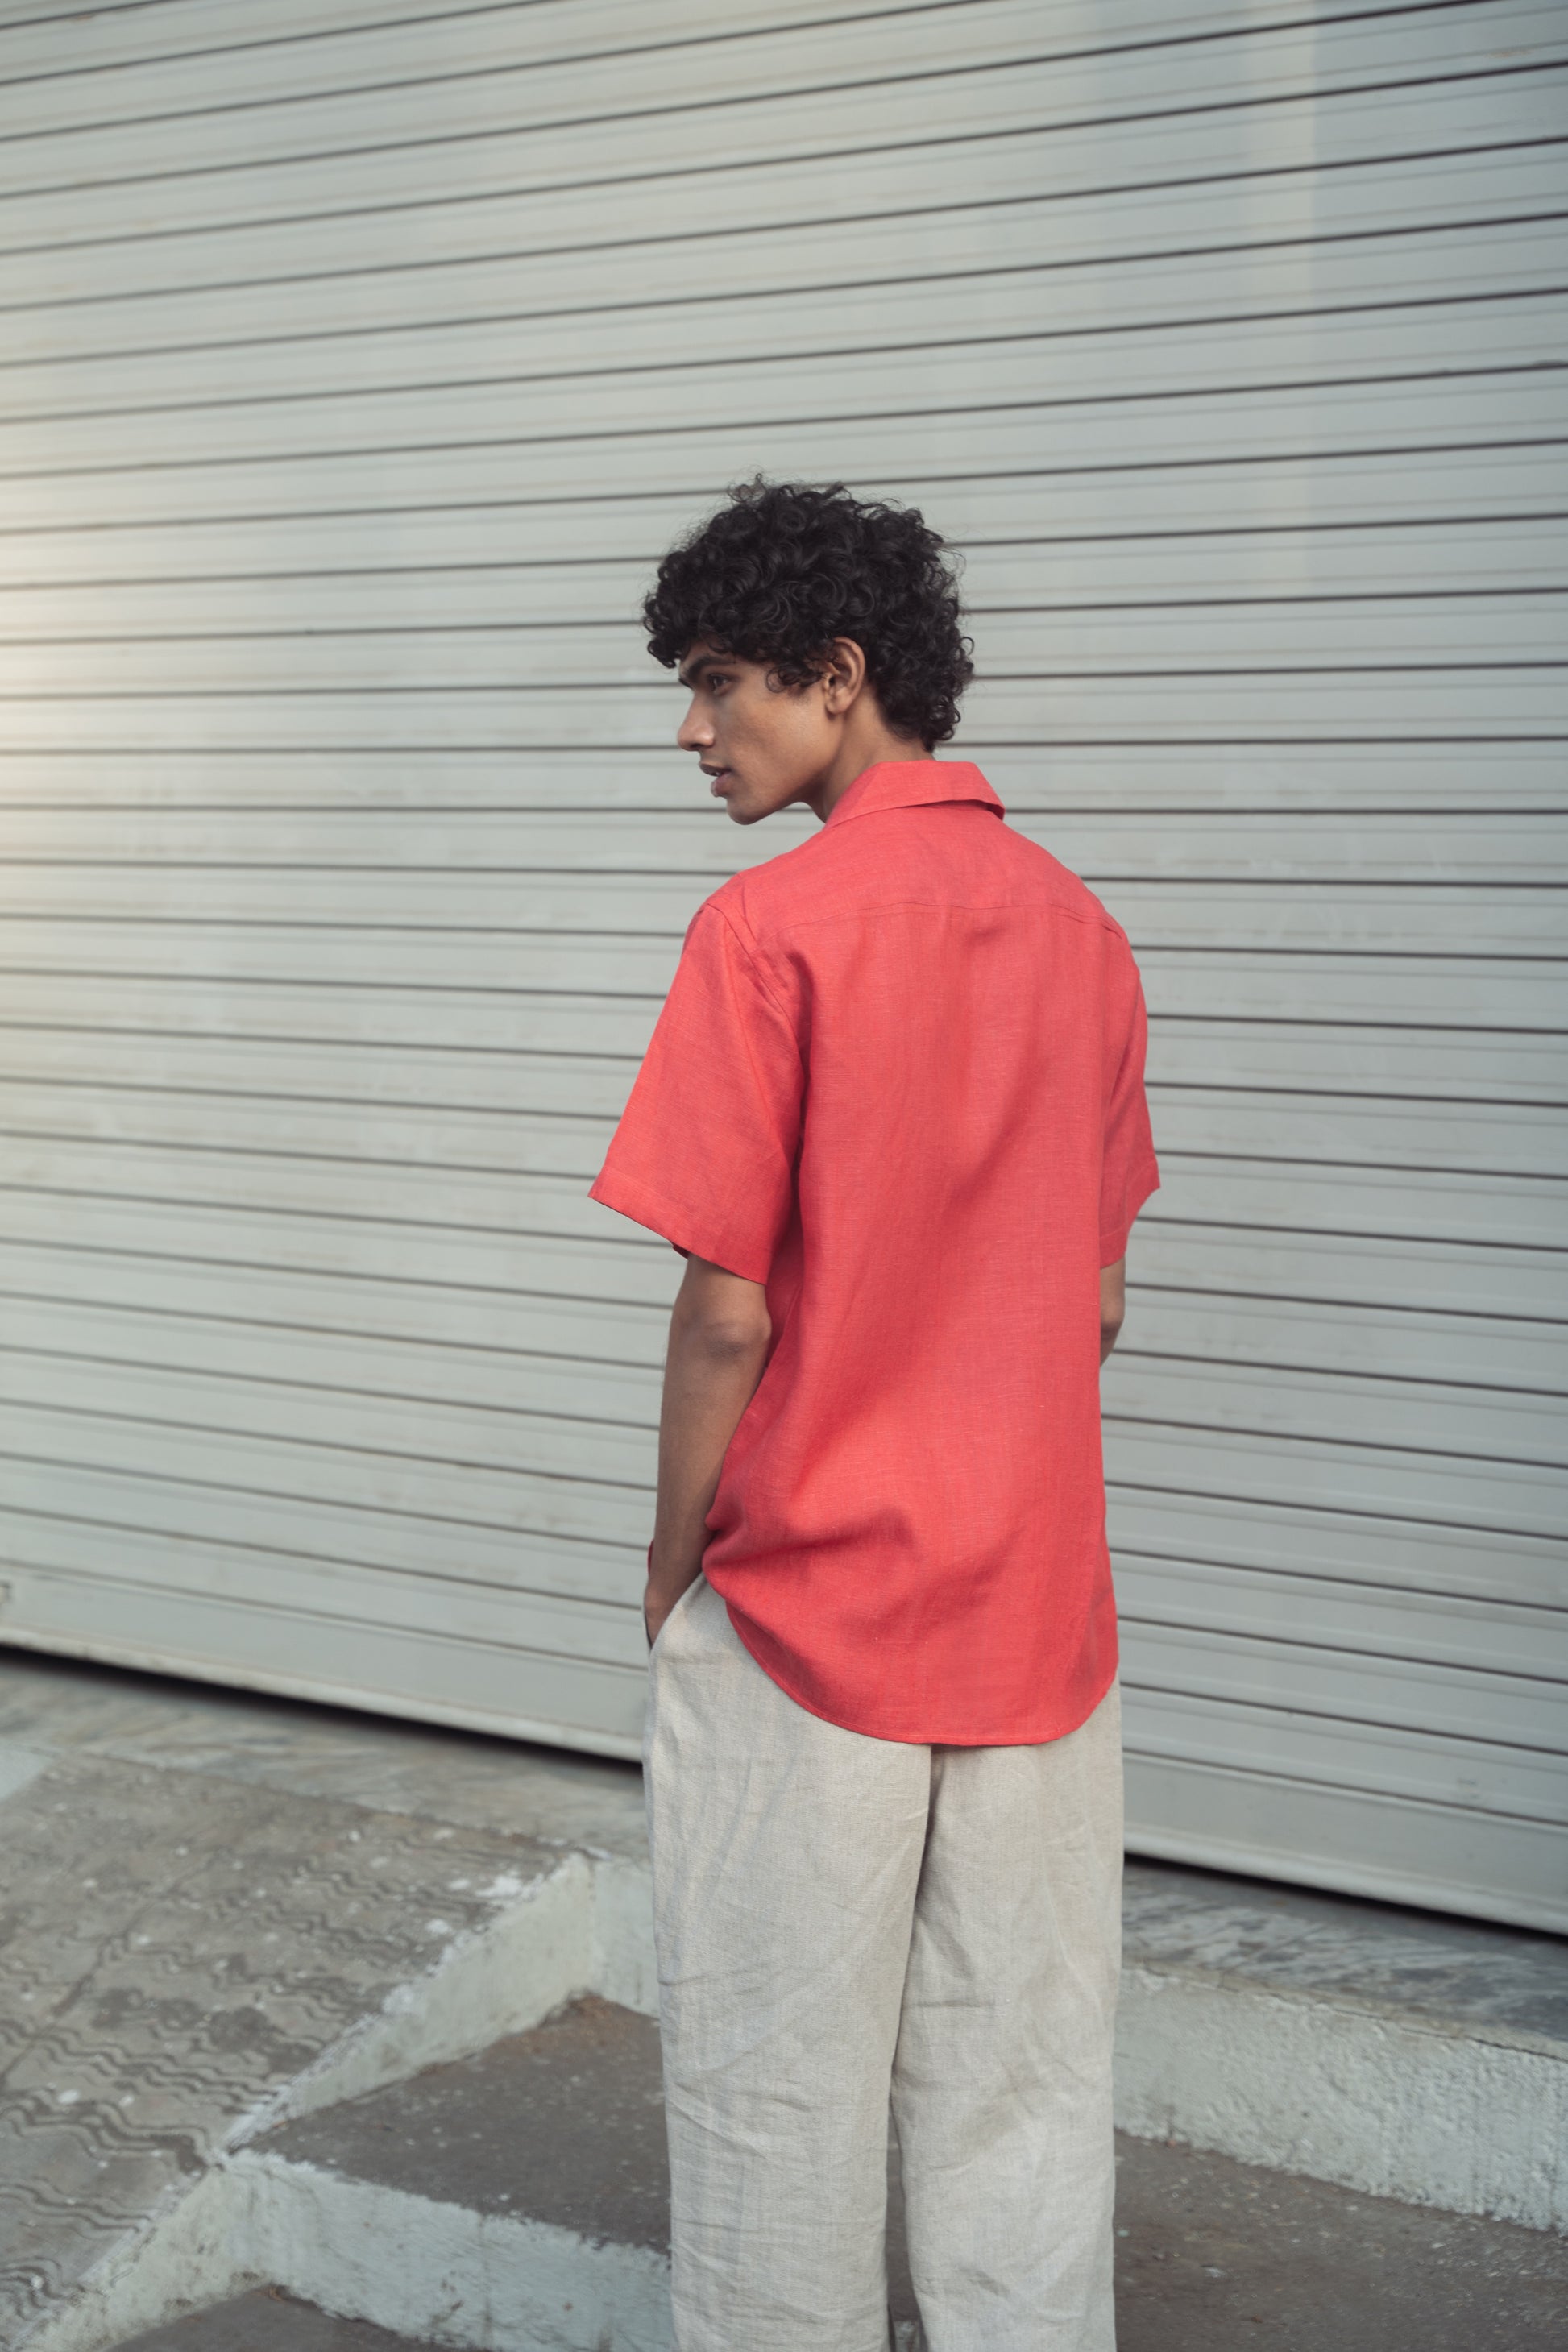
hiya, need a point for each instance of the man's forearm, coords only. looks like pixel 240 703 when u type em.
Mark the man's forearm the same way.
pixel 710 1374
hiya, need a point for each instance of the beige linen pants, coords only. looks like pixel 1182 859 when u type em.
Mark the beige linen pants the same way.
pixel 840 1921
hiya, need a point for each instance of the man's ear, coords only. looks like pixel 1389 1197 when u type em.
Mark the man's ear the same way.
pixel 844 676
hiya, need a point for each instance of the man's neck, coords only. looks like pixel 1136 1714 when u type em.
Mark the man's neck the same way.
pixel 863 748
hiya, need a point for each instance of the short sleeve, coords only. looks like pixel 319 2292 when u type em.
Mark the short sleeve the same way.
pixel 1128 1171
pixel 705 1149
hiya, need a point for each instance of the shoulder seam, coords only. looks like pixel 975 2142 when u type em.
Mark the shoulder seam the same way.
pixel 755 963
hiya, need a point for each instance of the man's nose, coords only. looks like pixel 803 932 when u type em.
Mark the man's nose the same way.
pixel 696 733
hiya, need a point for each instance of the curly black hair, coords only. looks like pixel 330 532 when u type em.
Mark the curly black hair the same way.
pixel 783 569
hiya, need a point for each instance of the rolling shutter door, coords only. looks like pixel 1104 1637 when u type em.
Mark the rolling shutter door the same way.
pixel 356 373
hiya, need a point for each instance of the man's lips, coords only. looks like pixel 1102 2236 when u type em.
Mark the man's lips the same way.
pixel 718 779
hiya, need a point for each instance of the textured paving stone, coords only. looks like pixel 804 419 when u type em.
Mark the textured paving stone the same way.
pixel 173 1947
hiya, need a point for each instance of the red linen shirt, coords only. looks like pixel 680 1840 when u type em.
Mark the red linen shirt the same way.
pixel 899 1079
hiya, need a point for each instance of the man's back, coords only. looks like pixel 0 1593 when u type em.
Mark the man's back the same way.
pixel 898 1080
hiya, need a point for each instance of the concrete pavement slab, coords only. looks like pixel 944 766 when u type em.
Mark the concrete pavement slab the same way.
pixel 1226 2257
pixel 561 2129
pixel 1458 1974
pixel 60 1706
pixel 564 2123
pixel 268 2321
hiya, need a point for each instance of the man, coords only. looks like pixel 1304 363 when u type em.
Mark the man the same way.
pixel 892 1116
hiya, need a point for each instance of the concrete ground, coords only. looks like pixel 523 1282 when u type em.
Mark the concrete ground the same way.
pixel 1218 2257
pixel 205 1895
pixel 202 1892
pixel 268 2321
pixel 1211 2254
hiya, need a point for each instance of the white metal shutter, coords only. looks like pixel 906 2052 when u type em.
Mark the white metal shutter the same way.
pixel 357 365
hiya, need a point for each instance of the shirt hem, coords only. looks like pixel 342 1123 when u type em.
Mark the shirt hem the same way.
pixel 925 1739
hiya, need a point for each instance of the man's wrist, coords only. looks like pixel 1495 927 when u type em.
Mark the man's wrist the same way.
pixel 663 1590
pixel 671 1578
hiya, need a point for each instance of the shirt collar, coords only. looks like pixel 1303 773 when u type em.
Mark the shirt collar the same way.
pixel 912 784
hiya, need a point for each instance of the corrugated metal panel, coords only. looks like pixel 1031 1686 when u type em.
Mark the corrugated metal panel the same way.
pixel 356 369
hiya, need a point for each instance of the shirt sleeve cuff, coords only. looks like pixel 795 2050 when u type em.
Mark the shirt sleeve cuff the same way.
pixel 1113 1239
pixel 684 1228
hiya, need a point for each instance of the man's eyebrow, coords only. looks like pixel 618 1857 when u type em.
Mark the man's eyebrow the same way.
pixel 689 674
